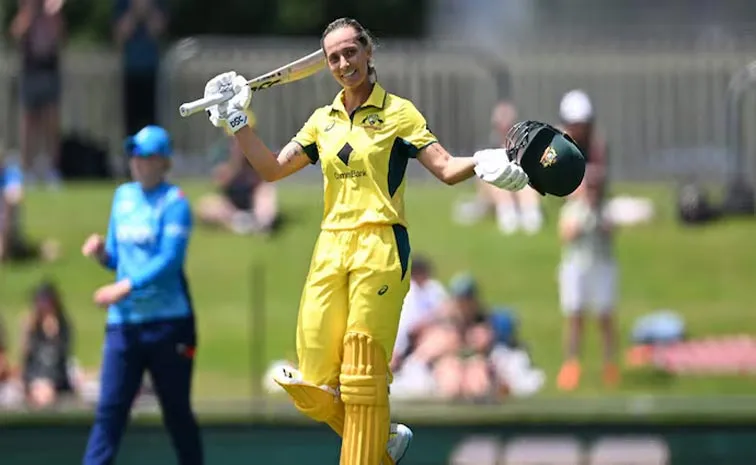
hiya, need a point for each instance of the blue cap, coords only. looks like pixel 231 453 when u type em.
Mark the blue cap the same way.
pixel 151 140
pixel 463 285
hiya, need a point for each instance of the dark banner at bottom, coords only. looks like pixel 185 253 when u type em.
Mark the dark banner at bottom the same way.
pixel 268 444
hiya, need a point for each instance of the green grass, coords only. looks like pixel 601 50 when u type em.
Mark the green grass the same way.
pixel 706 274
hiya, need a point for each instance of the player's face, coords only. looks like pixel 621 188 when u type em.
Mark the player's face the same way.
pixel 148 171
pixel 347 57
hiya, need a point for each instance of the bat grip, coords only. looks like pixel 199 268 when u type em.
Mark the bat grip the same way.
pixel 190 108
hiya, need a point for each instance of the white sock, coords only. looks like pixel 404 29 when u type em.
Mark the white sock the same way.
pixel 532 220
pixel 506 218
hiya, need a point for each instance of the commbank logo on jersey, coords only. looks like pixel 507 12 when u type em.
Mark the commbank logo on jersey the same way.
pixel 344 153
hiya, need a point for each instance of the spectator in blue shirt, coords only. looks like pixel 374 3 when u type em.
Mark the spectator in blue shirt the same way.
pixel 150 322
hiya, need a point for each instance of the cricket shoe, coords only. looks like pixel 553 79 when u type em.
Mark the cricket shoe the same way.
pixel 400 438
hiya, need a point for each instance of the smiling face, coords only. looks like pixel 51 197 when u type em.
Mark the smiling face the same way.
pixel 348 57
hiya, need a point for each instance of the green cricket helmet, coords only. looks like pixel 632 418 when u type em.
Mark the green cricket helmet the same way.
pixel 550 158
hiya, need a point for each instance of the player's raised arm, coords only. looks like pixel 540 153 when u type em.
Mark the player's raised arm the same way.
pixel 236 118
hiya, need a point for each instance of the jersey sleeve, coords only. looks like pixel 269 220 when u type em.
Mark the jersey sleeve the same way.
pixel 307 137
pixel 174 240
pixel 414 130
pixel 111 244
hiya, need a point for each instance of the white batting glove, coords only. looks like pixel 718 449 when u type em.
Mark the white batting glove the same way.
pixel 233 114
pixel 494 167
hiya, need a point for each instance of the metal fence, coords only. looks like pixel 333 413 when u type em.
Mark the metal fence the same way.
pixel 663 111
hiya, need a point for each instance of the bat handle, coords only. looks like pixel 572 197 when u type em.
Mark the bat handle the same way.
pixel 196 106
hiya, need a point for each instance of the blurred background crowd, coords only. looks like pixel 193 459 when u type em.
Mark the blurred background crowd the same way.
pixel 654 94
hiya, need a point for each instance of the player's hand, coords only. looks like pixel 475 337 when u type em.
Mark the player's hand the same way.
pixel 494 167
pixel 94 247
pixel 112 293
pixel 235 113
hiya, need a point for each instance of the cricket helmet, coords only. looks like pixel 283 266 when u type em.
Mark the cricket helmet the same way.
pixel 550 158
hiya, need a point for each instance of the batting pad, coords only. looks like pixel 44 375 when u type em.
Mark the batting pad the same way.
pixel 365 393
pixel 320 403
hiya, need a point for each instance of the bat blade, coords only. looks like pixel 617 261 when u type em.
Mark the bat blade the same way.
pixel 296 70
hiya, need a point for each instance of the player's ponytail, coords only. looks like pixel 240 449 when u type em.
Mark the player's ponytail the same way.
pixel 363 36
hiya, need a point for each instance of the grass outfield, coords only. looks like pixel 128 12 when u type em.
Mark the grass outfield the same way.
pixel 706 274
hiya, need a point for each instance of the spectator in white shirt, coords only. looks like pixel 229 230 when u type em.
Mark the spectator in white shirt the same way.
pixel 425 297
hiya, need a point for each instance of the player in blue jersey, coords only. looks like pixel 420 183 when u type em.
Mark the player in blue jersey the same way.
pixel 150 323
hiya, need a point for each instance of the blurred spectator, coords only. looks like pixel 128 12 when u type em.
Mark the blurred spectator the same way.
pixel 5 368
pixel 139 25
pixel 578 119
pixel 513 210
pixel 245 203
pixel 39 30
pixel 14 246
pixel 450 358
pixel 421 306
pixel 46 349
pixel 587 277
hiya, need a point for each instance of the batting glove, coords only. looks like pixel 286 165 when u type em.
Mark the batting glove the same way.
pixel 235 113
pixel 494 167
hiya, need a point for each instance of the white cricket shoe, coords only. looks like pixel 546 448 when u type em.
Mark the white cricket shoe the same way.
pixel 400 438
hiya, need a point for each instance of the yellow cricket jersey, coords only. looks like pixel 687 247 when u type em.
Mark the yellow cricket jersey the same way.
pixel 364 157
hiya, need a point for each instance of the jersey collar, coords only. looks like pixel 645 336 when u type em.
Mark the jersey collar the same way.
pixel 377 99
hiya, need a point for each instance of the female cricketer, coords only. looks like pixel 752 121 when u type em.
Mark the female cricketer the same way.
pixel 352 299
pixel 150 321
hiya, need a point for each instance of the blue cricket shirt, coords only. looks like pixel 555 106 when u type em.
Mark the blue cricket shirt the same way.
pixel 147 239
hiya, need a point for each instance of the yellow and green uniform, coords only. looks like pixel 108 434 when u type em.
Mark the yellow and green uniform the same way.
pixel 359 273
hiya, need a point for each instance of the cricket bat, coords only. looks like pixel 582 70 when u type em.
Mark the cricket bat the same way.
pixel 294 71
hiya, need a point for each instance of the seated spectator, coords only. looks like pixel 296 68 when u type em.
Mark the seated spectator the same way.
pixel 9 392
pixel 46 350
pixel 421 305
pixel 5 367
pixel 245 203
pixel 464 369
pixel 450 358
pixel 513 210
pixel 14 245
